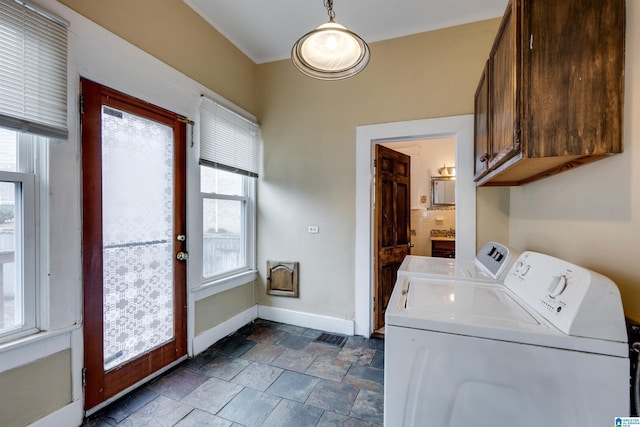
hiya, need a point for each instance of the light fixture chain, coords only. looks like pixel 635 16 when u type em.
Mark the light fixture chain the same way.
pixel 329 5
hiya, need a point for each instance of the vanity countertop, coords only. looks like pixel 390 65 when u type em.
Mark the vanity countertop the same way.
pixel 443 238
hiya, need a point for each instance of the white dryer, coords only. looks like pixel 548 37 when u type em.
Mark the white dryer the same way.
pixel 490 264
pixel 548 347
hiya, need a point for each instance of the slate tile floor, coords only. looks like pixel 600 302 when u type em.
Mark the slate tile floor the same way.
pixel 266 374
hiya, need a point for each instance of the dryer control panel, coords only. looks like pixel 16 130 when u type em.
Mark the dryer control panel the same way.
pixel 495 259
pixel 576 300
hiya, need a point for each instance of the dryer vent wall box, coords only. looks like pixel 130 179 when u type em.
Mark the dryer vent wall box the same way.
pixel 545 347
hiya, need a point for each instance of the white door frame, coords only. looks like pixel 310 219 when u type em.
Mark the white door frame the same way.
pixel 458 127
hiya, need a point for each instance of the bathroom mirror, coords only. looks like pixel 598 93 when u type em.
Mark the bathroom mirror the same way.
pixel 443 191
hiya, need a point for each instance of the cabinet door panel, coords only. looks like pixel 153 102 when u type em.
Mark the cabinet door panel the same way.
pixel 562 92
pixel 481 125
pixel 504 89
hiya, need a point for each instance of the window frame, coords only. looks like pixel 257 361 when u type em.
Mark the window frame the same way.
pixel 242 275
pixel 27 217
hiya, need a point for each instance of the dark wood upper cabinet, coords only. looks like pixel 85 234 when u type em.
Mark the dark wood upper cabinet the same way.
pixel 552 91
pixel 481 125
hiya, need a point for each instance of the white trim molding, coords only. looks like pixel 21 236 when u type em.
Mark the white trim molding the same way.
pixel 306 320
pixel 211 336
pixel 70 415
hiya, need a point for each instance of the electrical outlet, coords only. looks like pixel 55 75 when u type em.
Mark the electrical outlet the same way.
pixel 313 229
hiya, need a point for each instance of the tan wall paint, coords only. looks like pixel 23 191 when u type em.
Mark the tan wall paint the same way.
pixel 492 215
pixel 172 32
pixel 591 215
pixel 309 130
pixel 212 311
pixel 32 391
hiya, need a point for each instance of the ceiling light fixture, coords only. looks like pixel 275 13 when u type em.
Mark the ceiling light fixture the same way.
pixel 330 52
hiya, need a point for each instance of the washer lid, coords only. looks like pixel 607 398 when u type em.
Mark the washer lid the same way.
pixel 483 310
pixel 490 265
pixel 483 305
pixel 421 266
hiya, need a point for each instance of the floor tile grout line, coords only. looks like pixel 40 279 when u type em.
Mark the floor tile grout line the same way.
pixel 230 345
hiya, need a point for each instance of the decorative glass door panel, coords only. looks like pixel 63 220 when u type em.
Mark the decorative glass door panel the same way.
pixel 137 232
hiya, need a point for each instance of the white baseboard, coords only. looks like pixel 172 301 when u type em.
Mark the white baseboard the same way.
pixel 208 338
pixel 70 415
pixel 307 320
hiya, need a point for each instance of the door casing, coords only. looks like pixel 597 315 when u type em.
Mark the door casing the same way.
pixel 458 127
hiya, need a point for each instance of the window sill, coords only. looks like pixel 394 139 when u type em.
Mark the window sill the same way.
pixel 35 346
pixel 213 287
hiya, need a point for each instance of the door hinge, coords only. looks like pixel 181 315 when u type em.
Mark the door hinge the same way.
pixel 84 377
pixel 81 104
pixel 185 120
pixel 375 163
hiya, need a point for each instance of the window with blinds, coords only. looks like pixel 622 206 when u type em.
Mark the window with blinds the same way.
pixel 228 141
pixel 228 168
pixel 33 109
pixel 33 70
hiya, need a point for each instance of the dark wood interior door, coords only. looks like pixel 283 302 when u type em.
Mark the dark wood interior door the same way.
pixel 392 223
pixel 133 166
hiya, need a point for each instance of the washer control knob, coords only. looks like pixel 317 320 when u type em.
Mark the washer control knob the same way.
pixel 557 286
pixel 518 266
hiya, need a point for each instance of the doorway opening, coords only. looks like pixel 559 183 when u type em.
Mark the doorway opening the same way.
pixel 430 158
pixel 407 224
pixel 456 128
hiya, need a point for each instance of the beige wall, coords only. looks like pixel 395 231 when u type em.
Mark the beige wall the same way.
pixel 212 311
pixel 309 129
pixel 591 215
pixel 492 215
pixel 172 32
pixel 29 392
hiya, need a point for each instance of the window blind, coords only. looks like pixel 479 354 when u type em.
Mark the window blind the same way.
pixel 33 70
pixel 227 140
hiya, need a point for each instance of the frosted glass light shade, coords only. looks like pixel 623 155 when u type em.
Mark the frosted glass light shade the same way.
pixel 330 52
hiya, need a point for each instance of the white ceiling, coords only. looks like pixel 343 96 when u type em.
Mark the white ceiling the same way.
pixel 265 30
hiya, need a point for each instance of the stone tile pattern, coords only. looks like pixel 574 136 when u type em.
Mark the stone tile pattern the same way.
pixel 266 374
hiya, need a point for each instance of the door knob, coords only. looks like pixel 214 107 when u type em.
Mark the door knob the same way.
pixel 182 256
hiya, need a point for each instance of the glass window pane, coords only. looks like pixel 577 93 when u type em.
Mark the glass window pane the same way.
pixel 223 240
pixel 10 284
pixel 8 150
pixel 218 181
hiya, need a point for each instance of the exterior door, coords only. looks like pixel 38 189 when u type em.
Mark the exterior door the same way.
pixel 133 165
pixel 392 223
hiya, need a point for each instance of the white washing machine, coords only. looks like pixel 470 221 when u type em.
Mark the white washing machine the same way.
pixel 546 348
pixel 490 264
